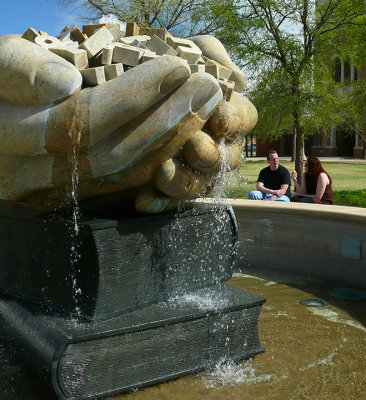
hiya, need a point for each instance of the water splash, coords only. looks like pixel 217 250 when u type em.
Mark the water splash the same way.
pixel 203 303
pixel 326 360
pixel 333 316
pixel 228 373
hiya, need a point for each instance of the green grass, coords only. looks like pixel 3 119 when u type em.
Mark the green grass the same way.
pixel 349 181
pixel 354 198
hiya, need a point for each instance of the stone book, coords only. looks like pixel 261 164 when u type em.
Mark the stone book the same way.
pixel 108 266
pixel 184 334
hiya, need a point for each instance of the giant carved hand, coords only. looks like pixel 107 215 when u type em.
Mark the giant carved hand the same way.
pixel 156 133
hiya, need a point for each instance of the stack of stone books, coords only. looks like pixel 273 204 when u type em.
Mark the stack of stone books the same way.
pixel 118 304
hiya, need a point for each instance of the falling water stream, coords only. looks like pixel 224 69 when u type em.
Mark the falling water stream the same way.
pixel 74 229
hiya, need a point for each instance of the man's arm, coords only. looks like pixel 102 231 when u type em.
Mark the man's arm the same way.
pixel 276 193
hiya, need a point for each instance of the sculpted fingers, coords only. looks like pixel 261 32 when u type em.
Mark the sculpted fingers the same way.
pixel 220 144
pixel 33 76
pixel 169 125
pixel 150 201
pixel 177 180
pixel 213 49
pixel 207 156
pixel 202 153
pixel 233 118
pixel 120 100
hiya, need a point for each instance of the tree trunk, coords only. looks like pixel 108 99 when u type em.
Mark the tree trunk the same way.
pixel 299 131
pixel 299 154
pixel 293 155
pixel 362 136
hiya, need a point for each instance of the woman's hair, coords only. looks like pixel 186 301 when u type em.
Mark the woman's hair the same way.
pixel 315 168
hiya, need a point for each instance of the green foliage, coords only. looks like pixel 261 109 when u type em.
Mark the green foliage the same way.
pixel 354 198
pixel 180 17
pixel 277 41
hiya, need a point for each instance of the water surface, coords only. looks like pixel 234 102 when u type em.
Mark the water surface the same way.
pixel 312 353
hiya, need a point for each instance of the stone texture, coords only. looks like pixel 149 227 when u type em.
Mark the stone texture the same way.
pixel 56 77
pixel 175 42
pixel 161 33
pixel 74 34
pixel 127 55
pixel 112 71
pixel 96 60
pixel 233 118
pixel 30 34
pixel 129 40
pixel 115 30
pixel 77 57
pixel 189 54
pixel 219 72
pixel 227 88
pixel 47 42
pixel 201 61
pixel 95 43
pixel 213 49
pixel 90 29
pixel 107 55
pixel 132 29
pixel 137 43
pixel 148 55
pixel 71 45
pixel 93 76
pixel 160 47
pixel 197 68
pixel 213 70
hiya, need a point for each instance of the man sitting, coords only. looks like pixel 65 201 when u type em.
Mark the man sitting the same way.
pixel 273 181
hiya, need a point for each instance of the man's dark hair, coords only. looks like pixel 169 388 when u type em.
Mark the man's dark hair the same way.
pixel 271 152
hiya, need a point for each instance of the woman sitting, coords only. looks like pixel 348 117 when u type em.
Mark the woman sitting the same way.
pixel 316 184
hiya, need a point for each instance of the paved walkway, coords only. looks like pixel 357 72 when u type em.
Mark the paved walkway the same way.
pixel 332 159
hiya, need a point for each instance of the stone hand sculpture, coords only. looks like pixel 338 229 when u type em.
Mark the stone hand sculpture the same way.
pixel 156 134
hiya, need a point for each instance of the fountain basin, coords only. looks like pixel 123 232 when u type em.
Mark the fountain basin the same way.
pixel 311 239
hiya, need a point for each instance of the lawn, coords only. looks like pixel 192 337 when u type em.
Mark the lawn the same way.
pixel 349 180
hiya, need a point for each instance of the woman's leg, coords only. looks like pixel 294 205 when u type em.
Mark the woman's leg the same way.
pixel 299 199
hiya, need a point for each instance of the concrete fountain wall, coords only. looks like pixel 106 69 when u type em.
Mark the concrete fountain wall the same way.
pixel 321 240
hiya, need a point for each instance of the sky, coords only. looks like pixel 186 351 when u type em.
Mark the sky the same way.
pixel 45 15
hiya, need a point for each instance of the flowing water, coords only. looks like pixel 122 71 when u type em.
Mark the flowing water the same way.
pixel 74 229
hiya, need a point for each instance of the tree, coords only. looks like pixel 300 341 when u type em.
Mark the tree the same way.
pixel 277 41
pixel 180 17
pixel 353 111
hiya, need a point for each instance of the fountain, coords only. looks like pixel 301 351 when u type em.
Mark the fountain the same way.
pixel 107 286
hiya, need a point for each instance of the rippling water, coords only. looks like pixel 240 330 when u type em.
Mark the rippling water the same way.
pixel 315 354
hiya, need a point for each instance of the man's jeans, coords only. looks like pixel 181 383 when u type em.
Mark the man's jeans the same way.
pixel 257 195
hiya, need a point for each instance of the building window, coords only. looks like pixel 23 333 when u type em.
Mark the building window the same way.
pixel 355 74
pixel 337 70
pixel 347 71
